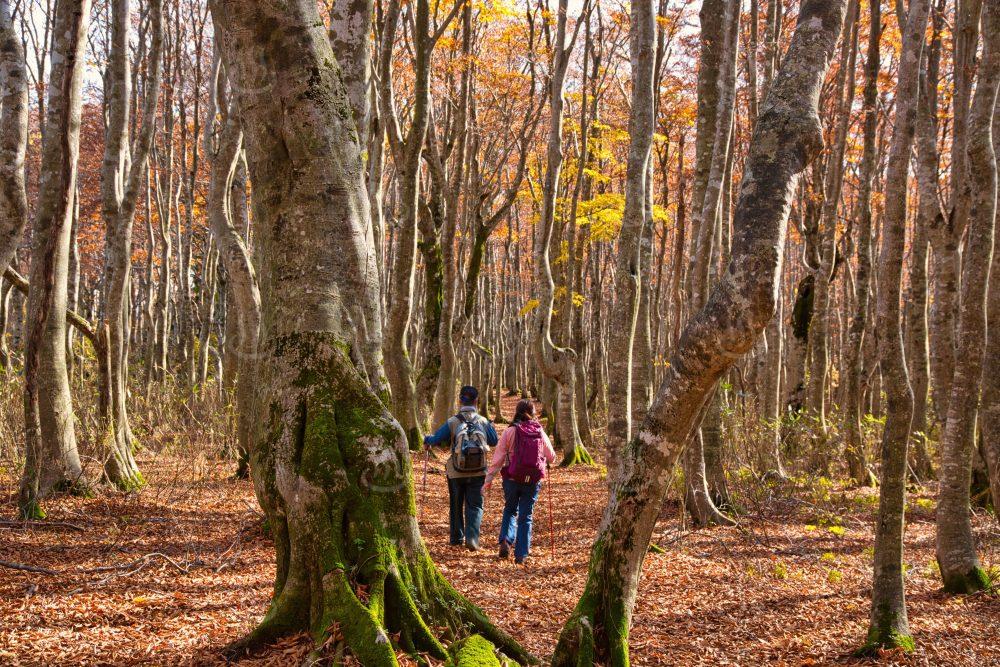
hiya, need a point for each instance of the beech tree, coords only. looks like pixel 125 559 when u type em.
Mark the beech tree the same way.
pixel 956 549
pixel 330 464
pixel 13 137
pixel 786 137
pixel 888 626
pixel 51 457
pixel 122 180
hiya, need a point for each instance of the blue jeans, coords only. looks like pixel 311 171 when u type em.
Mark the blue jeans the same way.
pixel 519 502
pixel 465 512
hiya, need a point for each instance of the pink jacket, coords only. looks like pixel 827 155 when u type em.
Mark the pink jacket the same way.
pixel 506 442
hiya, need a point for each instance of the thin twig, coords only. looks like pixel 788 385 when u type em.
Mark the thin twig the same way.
pixel 28 568
pixel 41 524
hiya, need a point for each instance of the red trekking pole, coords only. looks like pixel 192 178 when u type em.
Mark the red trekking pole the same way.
pixel 552 539
pixel 423 491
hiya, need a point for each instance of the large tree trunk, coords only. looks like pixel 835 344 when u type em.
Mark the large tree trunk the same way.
pixel 956 546
pixel 330 463
pixel 787 136
pixel 51 456
pixel 122 177
pixel 888 623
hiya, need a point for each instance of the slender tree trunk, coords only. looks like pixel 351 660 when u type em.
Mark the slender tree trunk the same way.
pixel 787 136
pixel 122 177
pixel 13 138
pixel 989 413
pixel 956 546
pixel 819 329
pixel 708 211
pixel 557 364
pixel 888 623
pixel 854 445
pixel 628 270
pixel 51 456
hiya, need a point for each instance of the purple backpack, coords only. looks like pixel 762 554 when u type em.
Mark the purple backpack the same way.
pixel 526 458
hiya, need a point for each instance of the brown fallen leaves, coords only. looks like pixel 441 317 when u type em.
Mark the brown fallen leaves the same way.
pixel 789 587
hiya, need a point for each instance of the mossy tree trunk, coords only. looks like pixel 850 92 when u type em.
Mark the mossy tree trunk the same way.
pixel 786 137
pixel 888 625
pixel 330 463
pixel 51 456
pixel 956 545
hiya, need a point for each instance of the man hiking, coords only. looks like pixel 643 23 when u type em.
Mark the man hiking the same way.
pixel 470 437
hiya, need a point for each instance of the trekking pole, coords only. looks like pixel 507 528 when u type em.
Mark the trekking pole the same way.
pixel 552 538
pixel 423 491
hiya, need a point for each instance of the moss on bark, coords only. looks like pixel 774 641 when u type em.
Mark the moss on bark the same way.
pixel 973 581
pixel 333 475
pixel 473 651
pixel 597 630
pixel 577 455
pixel 884 633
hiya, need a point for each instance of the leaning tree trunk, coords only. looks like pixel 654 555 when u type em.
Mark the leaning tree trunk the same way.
pixel 122 178
pixel 787 136
pixel 956 545
pixel 330 463
pixel 888 625
pixel 51 456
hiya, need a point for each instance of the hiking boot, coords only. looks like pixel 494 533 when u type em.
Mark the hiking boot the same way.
pixel 504 551
pixel 472 545
pixel 520 561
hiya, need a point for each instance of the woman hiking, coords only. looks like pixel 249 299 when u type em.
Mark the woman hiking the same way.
pixel 522 456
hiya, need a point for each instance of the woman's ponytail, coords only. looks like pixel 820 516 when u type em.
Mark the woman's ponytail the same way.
pixel 524 412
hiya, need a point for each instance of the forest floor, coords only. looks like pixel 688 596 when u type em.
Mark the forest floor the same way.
pixel 172 574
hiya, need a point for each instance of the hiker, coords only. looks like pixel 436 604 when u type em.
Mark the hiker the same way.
pixel 522 456
pixel 470 436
